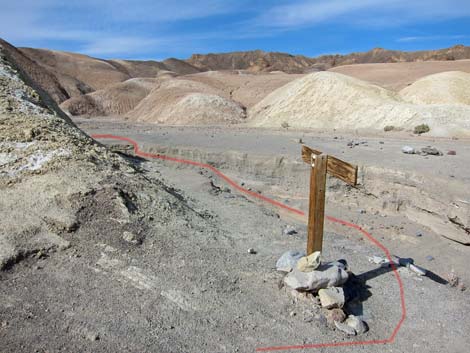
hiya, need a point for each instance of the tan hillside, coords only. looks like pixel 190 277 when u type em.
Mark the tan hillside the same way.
pixel 327 100
pixel 186 102
pixel 42 79
pixel 116 99
pixel 180 67
pixel 244 87
pixel 451 87
pixel 396 76
pixel 81 74
pixel 94 73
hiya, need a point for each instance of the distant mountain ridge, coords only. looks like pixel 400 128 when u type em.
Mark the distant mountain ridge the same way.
pixel 260 61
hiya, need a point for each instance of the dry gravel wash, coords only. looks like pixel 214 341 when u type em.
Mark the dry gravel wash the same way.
pixel 198 290
pixel 438 329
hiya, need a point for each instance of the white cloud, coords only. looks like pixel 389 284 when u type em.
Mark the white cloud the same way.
pixel 134 28
pixel 361 12
pixel 433 37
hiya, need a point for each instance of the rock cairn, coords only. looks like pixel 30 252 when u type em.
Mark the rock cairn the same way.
pixel 320 284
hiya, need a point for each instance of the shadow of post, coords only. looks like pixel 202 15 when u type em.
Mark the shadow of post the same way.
pixel 356 290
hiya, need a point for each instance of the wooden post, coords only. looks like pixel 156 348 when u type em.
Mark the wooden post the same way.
pixel 316 213
pixel 322 164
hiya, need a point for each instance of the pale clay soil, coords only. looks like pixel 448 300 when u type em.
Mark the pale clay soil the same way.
pixel 200 291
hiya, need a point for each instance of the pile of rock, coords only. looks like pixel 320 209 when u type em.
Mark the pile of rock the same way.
pixel 425 151
pixel 308 277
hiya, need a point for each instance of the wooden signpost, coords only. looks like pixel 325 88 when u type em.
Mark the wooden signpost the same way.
pixel 322 165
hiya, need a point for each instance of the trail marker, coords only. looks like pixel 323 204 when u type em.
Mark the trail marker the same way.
pixel 322 165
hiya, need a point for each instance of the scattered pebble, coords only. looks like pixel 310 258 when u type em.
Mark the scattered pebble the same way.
pixel 357 324
pixel 130 238
pixel 451 153
pixel 289 230
pixel 429 258
pixel 252 251
pixel 335 315
pixel 92 336
pixel 430 151
pixel 408 150
pixel 453 279
pixel 362 211
pixel 419 234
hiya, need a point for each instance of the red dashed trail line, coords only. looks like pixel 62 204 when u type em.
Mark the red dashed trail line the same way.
pixel 255 195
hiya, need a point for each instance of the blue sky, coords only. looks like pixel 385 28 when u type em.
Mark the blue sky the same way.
pixel 158 29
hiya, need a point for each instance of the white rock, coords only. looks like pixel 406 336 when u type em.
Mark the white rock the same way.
pixel 357 324
pixel 329 276
pixel 345 328
pixel 130 238
pixel 331 297
pixel 408 150
pixel 309 263
pixel 288 260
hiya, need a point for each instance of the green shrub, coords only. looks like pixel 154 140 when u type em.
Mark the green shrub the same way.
pixel 421 129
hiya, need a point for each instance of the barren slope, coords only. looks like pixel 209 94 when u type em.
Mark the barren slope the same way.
pixel 116 99
pixel 81 74
pixel 332 100
pixel 44 80
pixel 244 87
pixel 94 73
pixel 186 102
pixel 451 87
pixel 396 76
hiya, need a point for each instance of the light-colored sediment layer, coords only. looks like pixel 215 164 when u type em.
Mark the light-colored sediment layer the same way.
pixel 332 100
pixel 451 87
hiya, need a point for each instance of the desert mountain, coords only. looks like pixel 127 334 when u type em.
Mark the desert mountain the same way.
pixel 257 61
pixel 264 61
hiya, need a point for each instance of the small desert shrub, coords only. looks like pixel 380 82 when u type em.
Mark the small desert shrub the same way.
pixel 389 128
pixel 421 129
pixel 285 125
